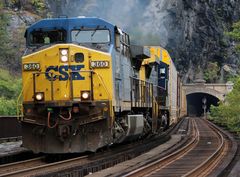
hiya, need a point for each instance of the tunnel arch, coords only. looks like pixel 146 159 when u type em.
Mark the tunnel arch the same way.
pixel 195 102
pixel 208 91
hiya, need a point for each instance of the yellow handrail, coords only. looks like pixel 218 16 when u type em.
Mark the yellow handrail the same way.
pixel 109 96
pixel 100 78
pixel 20 113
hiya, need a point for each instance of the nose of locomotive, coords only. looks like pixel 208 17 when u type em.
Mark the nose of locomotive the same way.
pixel 67 72
pixel 51 74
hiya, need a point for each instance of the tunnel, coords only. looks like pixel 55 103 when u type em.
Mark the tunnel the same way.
pixel 195 103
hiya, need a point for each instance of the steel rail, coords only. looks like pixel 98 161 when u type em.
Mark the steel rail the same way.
pixel 208 165
pixel 15 166
pixel 161 163
pixel 30 171
pixel 203 169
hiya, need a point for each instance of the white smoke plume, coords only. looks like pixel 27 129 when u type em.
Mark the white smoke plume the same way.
pixel 140 18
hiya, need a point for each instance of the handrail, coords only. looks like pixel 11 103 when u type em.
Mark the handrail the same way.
pixel 109 96
pixel 21 93
pixel 100 78
pixel 71 82
pixel 19 97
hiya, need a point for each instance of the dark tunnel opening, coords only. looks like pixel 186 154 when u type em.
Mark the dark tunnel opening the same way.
pixel 195 105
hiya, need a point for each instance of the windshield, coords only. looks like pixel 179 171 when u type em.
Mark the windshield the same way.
pixel 90 36
pixel 40 38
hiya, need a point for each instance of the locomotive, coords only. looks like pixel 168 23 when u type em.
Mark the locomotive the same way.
pixel 85 87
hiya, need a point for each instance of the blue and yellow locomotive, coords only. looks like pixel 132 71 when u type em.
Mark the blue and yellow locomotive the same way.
pixel 85 86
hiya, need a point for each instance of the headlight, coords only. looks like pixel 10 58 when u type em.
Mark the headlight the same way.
pixel 85 95
pixel 39 96
pixel 64 52
pixel 64 58
pixel 63 55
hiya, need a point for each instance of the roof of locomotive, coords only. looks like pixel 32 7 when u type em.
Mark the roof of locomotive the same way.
pixel 71 23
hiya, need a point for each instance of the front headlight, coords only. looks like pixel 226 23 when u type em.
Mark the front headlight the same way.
pixel 64 58
pixel 63 55
pixel 85 95
pixel 64 52
pixel 39 96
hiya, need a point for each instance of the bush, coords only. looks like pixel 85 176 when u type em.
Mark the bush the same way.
pixel 211 72
pixel 228 112
pixel 7 107
pixel 235 35
pixel 10 88
pixel 39 5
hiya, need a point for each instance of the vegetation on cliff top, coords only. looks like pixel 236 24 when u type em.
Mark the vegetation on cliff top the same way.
pixel 227 113
pixel 235 35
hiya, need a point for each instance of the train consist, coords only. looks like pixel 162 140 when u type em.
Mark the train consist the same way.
pixel 85 86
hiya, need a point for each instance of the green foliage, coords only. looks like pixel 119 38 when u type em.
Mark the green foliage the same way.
pixel 39 5
pixel 10 88
pixel 211 72
pixel 1 5
pixel 35 6
pixel 227 113
pixel 3 23
pixel 8 53
pixel 235 35
pixel 7 107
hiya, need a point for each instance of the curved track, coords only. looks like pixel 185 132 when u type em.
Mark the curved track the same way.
pixel 198 158
pixel 201 150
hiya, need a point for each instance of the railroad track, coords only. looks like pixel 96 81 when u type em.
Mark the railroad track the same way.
pixel 82 165
pixel 182 162
pixel 189 158
pixel 12 168
pixel 199 157
pixel 38 166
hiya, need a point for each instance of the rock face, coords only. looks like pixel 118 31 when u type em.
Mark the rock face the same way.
pixel 193 32
pixel 17 24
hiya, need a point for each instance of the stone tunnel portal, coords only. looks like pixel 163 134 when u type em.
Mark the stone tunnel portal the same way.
pixel 195 103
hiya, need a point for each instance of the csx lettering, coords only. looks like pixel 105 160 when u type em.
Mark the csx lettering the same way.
pixel 64 72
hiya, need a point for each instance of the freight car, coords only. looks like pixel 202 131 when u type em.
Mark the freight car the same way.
pixel 85 86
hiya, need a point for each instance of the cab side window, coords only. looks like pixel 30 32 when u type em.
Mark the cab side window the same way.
pixel 117 42
pixel 122 42
pixel 125 44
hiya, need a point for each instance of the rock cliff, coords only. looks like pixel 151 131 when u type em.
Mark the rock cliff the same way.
pixel 193 32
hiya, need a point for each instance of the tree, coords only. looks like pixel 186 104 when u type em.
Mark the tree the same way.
pixel 227 113
pixel 9 85
pixel 211 72
pixel 235 35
